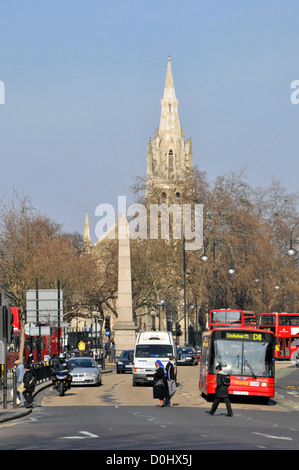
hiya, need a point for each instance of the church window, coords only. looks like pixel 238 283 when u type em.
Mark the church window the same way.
pixel 164 196
pixel 170 161
pixel 178 195
pixel 169 108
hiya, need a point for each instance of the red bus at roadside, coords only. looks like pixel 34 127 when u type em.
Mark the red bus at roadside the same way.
pixel 246 355
pixel 285 327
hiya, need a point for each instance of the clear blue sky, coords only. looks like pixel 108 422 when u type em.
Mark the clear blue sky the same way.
pixel 83 83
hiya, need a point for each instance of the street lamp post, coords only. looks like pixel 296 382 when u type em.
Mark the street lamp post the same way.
pixel 184 269
pixel 192 307
pixel 160 304
pixel 291 251
pixel 231 271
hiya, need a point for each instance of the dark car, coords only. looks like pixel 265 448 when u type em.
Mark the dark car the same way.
pixel 124 362
pixel 186 355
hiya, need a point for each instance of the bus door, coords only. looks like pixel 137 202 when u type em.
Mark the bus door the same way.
pixel 204 365
pixel 284 347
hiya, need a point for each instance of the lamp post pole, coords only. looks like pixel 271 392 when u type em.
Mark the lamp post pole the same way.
pixel 291 251
pixel 231 272
pixel 184 270
pixel 214 273
pixel 160 304
pixel 184 267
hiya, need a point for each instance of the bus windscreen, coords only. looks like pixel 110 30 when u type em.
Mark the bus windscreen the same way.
pixel 226 317
pixel 243 356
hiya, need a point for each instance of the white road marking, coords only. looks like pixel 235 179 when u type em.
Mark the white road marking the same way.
pixel 268 436
pixel 87 435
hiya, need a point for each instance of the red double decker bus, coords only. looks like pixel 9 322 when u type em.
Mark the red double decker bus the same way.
pixel 48 343
pixel 285 327
pixel 246 354
pixel 226 317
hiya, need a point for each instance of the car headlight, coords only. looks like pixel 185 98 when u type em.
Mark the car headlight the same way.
pixel 119 362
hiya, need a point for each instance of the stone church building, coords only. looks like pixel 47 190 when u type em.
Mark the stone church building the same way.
pixel 169 156
pixel 169 162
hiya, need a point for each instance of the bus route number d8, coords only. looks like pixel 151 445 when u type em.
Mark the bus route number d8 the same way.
pixel 257 337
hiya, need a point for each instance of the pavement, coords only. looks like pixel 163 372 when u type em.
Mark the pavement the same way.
pixel 15 413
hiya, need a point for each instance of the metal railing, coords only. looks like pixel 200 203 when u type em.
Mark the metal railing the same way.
pixel 8 384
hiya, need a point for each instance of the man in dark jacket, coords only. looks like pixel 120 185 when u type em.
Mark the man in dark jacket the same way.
pixel 221 392
pixel 29 385
pixel 171 380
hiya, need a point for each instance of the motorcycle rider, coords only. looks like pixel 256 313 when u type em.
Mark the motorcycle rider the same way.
pixel 62 366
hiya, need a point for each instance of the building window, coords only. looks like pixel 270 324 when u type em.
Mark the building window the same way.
pixel 170 161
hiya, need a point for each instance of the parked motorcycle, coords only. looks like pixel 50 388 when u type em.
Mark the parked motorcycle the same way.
pixel 62 381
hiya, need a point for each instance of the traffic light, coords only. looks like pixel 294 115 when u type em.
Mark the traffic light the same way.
pixel 107 325
pixel 6 324
pixel 178 329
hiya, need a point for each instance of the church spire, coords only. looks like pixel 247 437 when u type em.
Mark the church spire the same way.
pixel 169 156
pixel 169 92
pixel 169 120
pixel 86 235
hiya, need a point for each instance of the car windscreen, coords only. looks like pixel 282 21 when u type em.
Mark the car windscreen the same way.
pixel 80 363
pixel 125 354
pixel 185 351
pixel 154 350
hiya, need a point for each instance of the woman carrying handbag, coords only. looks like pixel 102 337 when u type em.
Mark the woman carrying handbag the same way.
pixel 160 387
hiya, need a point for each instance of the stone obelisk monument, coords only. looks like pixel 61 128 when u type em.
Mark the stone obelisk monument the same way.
pixel 124 328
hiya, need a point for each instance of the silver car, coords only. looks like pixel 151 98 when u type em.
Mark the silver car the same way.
pixel 85 371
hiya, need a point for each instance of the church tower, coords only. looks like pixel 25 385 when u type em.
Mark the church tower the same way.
pixel 169 156
pixel 86 236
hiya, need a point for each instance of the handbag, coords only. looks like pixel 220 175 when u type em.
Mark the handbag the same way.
pixel 159 383
pixel 21 387
pixel 171 387
pixel 226 381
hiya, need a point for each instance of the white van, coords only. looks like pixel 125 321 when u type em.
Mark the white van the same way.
pixel 151 346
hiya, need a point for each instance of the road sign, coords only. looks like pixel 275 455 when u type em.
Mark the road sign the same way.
pixel 44 306
pixel 34 331
pixel 31 329
pixel 27 327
